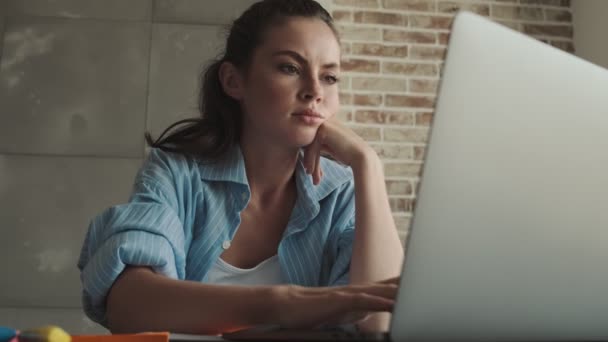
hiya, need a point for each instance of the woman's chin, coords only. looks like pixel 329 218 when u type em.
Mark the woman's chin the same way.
pixel 304 141
pixel 302 138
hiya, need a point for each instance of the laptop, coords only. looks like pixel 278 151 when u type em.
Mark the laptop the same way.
pixel 509 238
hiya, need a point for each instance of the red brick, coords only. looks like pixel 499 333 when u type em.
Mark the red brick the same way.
pixel 401 187
pixel 384 117
pixel 419 152
pixel 414 135
pixel 403 225
pixel 431 22
pixel 410 101
pixel 558 15
pixel 424 119
pixel 409 5
pixel 566 46
pixel 358 3
pixel 367 133
pixel 345 48
pixel 370 116
pixel 401 204
pixel 563 3
pixel 400 118
pixel 402 169
pixel 360 65
pixel 380 18
pixel 441 65
pixel 416 185
pixel 372 49
pixel 409 36
pixel 346 98
pixel 517 12
pixel 394 151
pixel 367 100
pixel 455 6
pixel 444 38
pixel 428 52
pixel 548 30
pixel 342 16
pixel 344 84
pixel 355 32
pixel 414 69
pixel 345 115
pixel 379 84
pixel 423 86
pixel 510 24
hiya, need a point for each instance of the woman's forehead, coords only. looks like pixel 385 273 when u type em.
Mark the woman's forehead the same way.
pixel 312 38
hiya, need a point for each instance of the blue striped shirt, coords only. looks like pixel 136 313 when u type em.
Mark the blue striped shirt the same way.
pixel 182 209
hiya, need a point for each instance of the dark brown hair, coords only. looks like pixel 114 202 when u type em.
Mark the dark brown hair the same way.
pixel 219 125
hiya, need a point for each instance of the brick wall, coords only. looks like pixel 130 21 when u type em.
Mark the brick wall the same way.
pixel 393 51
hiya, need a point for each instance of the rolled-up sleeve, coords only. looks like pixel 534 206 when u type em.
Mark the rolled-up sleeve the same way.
pixel 148 231
pixel 344 235
pixel 340 271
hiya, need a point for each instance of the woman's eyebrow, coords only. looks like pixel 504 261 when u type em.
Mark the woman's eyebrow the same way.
pixel 301 58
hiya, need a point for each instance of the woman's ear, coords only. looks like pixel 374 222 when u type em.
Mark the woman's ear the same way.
pixel 231 80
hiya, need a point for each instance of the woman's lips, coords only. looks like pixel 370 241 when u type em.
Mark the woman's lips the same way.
pixel 309 116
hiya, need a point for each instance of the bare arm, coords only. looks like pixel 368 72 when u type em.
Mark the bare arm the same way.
pixel 141 300
pixel 377 250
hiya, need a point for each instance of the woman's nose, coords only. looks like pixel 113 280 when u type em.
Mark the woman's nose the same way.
pixel 311 91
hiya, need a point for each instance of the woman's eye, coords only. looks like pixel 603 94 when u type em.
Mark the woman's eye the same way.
pixel 289 69
pixel 331 79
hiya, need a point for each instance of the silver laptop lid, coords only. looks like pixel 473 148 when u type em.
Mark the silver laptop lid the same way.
pixel 509 238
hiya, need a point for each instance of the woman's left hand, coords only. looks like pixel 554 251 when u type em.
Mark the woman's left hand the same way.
pixel 337 140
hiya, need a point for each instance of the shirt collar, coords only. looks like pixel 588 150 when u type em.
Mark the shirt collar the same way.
pixel 231 168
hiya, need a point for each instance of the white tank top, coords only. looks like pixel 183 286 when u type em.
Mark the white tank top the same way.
pixel 268 272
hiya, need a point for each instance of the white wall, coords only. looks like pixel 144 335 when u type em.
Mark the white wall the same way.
pixel 591 30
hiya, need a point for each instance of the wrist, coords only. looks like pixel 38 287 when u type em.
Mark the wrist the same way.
pixel 266 310
pixel 275 299
pixel 366 159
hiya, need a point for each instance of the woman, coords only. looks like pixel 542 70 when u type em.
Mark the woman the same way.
pixel 235 218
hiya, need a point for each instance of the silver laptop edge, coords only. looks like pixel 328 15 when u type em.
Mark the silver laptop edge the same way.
pixel 509 238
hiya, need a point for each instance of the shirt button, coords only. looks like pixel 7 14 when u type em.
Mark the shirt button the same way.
pixel 244 196
pixel 226 244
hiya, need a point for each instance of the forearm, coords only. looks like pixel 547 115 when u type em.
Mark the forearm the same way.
pixel 141 300
pixel 377 250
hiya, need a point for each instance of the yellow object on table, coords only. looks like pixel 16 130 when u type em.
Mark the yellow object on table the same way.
pixel 48 333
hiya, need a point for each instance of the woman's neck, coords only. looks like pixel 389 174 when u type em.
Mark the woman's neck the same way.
pixel 270 171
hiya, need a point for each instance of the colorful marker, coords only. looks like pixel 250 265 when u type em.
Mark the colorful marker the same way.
pixel 49 333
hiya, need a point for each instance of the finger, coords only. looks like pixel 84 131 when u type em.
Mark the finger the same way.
pixel 387 291
pixel 306 159
pixel 342 308
pixel 315 154
pixel 318 173
pixel 333 304
pixel 369 303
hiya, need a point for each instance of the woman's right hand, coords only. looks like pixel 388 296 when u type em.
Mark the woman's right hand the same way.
pixel 299 307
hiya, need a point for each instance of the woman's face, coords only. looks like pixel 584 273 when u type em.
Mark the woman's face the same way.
pixel 291 85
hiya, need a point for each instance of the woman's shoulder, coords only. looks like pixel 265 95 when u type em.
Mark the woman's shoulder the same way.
pixel 161 166
pixel 190 166
pixel 175 161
